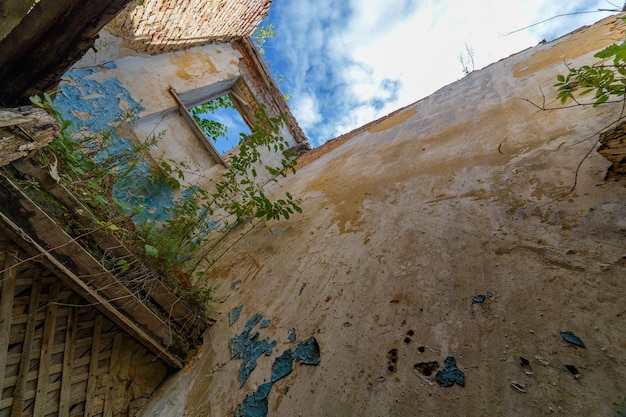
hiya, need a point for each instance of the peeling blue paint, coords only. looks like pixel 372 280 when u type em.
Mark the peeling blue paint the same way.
pixel 478 298
pixel 234 285
pixel 233 314
pixel 308 352
pixel 249 348
pixel 292 335
pixel 255 404
pixel 572 338
pixel 282 365
pixel 450 374
pixel 265 324
pixel 302 288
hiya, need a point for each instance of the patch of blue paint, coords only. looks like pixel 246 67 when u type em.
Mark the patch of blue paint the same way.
pixel 282 365
pixel 94 107
pixel 109 65
pixel 302 288
pixel 572 338
pixel 308 352
pixel 292 335
pixel 478 298
pixel 286 390
pixel 255 404
pixel 234 284
pixel 489 293
pixel 265 324
pixel 249 348
pixel 233 314
pixel 450 374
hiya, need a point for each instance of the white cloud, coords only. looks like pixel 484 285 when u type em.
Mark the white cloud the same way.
pixel 347 63
pixel 306 110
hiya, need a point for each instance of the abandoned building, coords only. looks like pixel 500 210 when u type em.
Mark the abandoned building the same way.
pixel 448 259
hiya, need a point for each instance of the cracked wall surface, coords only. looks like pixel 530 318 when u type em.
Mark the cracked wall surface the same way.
pixel 443 253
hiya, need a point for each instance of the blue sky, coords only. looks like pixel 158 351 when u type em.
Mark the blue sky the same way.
pixel 347 62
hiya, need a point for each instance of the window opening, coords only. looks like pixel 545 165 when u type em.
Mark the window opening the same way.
pixel 221 122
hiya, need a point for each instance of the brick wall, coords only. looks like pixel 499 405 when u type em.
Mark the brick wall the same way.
pixel 156 26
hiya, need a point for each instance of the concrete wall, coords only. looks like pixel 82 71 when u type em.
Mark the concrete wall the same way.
pixel 449 228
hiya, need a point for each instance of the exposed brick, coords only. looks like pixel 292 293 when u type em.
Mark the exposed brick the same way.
pixel 178 24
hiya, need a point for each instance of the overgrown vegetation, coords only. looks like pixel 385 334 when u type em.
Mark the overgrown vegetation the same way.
pixel 93 166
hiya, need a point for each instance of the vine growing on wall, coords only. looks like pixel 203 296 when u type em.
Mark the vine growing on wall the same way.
pixel 86 166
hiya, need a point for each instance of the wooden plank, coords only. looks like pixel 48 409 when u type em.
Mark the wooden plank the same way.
pixel 68 359
pixel 20 385
pixel 46 351
pixel 6 308
pixel 90 408
pixel 206 142
pixel 92 296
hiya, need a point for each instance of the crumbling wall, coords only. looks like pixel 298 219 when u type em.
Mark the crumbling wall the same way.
pixel 162 26
pixel 463 256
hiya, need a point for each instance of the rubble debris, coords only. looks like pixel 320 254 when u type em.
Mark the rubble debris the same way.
pixel 308 353
pixel 427 368
pixel 572 338
pixel 450 374
pixel 255 404
pixel 233 314
pixel 250 348
pixel 282 365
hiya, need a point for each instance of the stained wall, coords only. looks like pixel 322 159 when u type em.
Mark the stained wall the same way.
pixel 470 224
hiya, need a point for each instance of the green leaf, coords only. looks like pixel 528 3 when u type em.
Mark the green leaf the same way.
pixel 151 251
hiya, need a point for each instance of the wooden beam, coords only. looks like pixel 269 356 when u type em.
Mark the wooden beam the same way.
pixel 27 346
pixel 161 295
pixel 48 39
pixel 92 296
pixel 90 408
pixel 47 343
pixel 206 142
pixel 68 359
pixel 6 308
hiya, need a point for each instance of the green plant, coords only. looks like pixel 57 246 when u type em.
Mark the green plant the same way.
pixel 607 81
pixel 212 128
pixel 239 197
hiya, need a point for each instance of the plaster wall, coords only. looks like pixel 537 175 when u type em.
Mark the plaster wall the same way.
pixel 106 83
pixel 470 192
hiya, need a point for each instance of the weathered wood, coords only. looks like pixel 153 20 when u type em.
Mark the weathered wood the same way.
pixel 27 346
pixel 23 131
pixel 46 351
pixel 68 361
pixel 163 296
pixel 6 308
pixel 47 41
pixel 34 222
pixel 93 297
pixel 12 12
pixel 184 112
pixel 90 408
